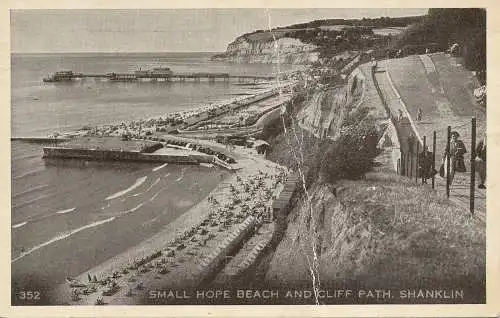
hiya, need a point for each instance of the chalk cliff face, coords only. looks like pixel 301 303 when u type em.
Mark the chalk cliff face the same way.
pixel 283 50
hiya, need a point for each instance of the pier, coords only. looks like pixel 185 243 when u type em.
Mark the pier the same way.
pixel 155 76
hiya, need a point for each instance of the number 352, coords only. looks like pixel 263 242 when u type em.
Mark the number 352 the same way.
pixel 29 295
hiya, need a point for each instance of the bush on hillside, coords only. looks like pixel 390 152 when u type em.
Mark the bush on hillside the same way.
pixel 351 156
pixel 355 116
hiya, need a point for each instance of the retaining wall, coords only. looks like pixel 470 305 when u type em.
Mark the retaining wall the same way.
pixel 391 130
pixel 211 263
pixel 115 155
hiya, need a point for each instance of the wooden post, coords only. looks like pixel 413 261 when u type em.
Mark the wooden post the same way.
pixel 422 172
pixel 405 171
pixel 411 163
pixel 473 165
pixel 448 159
pixel 433 157
pixel 402 166
pixel 408 163
pixel 416 164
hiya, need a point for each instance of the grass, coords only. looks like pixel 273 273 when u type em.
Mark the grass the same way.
pixel 457 83
pixel 383 232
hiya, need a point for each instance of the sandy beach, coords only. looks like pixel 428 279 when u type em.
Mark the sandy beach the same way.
pixel 186 232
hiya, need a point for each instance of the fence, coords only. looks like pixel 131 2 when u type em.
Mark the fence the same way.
pixel 415 160
pixel 419 163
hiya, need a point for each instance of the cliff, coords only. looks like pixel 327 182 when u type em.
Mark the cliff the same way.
pixel 383 232
pixel 262 48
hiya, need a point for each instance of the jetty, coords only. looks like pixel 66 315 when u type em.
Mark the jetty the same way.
pixel 154 75
pixel 118 149
pixel 41 140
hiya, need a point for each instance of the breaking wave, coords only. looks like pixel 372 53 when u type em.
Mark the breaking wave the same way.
pixel 154 196
pixel 137 183
pixel 132 210
pixel 43 186
pixel 153 184
pixel 182 176
pixel 29 173
pixel 62 237
pixel 65 211
pixel 18 225
pixel 25 203
pixel 159 167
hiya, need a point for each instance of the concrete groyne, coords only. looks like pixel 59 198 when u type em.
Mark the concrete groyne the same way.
pixel 116 155
pixel 40 140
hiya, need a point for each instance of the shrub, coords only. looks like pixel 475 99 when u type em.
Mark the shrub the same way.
pixel 351 156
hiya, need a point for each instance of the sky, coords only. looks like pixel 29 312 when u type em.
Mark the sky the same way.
pixel 166 30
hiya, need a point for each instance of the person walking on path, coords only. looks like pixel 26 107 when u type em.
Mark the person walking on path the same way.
pixel 455 155
pixel 481 162
pixel 425 164
pixel 400 115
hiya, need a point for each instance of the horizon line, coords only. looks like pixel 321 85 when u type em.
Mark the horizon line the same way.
pixel 113 52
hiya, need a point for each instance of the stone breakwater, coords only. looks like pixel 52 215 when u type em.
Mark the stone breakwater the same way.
pixel 102 155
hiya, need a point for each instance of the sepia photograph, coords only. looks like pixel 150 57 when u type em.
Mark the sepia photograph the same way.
pixel 248 156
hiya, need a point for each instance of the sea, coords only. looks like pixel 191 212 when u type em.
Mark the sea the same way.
pixel 68 216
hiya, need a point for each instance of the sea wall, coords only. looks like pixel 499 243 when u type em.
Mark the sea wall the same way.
pixel 212 262
pixel 284 50
pixel 115 155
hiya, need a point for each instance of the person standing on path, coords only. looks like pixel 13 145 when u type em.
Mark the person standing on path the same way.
pixel 419 114
pixel 481 162
pixel 425 164
pixel 400 115
pixel 455 155
pixel 411 143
